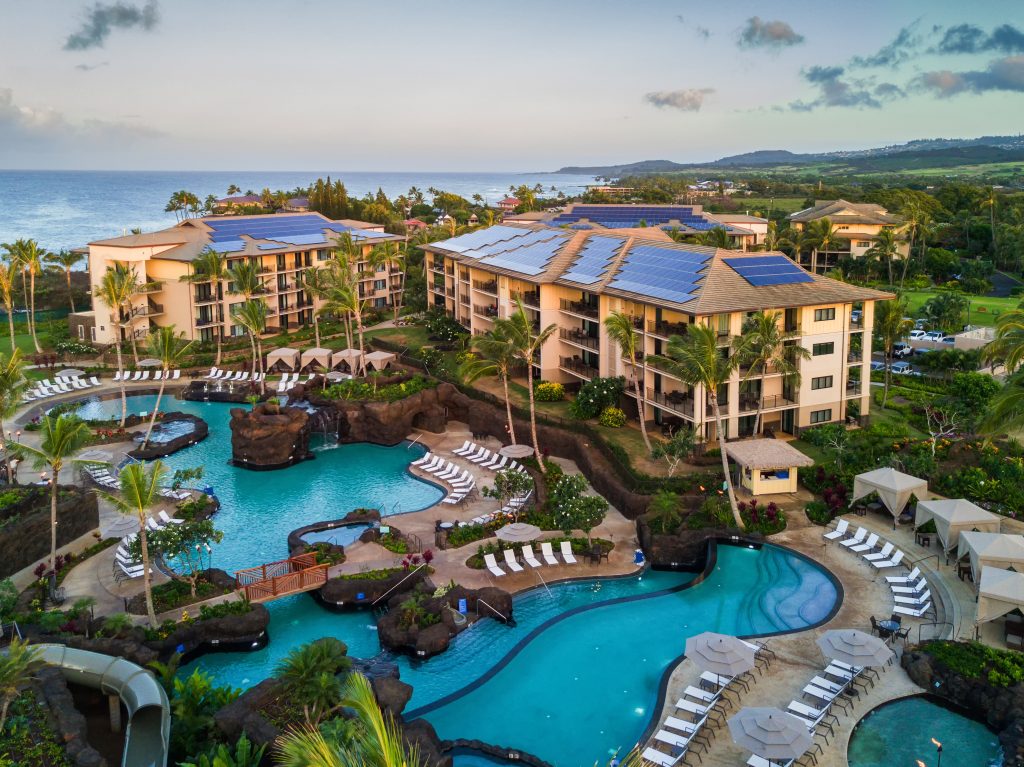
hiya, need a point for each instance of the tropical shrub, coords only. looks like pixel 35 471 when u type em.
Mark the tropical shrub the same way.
pixel 612 417
pixel 765 519
pixel 1002 668
pixel 354 389
pixel 596 395
pixel 548 391
pixel 818 512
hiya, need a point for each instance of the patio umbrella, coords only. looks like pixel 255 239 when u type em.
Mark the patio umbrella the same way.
pixel 71 372
pixel 854 648
pixel 519 532
pixel 720 654
pixel 770 733
pixel 149 362
pixel 337 375
pixel 517 451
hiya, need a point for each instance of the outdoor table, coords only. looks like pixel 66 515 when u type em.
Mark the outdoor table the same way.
pixel 889 626
pixel 447 525
pixel 923 539
pixel 964 570
pixel 875 506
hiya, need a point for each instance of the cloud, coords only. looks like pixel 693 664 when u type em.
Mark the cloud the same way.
pixel 967 38
pixel 90 67
pixel 836 90
pixel 102 19
pixel 689 100
pixel 1005 74
pixel 902 48
pixel 702 32
pixel 768 34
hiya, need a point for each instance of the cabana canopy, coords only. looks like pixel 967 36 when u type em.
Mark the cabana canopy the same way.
pixel 893 487
pixel 999 592
pixel 954 516
pixel 992 549
pixel 379 360
pixel 285 356
pixel 317 355
pixel 351 356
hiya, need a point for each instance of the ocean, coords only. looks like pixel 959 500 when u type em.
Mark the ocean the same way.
pixel 67 209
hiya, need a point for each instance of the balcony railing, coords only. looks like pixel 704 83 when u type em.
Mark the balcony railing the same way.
pixel 855 356
pixel 578 338
pixel 202 322
pixel 750 402
pixel 856 324
pixel 449 270
pixel 578 307
pixel 464 299
pixel 485 311
pixel 486 287
pixel 529 298
pixel 666 329
pixel 677 401
pixel 450 291
pixel 723 409
pixel 205 298
pixel 149 287
pixel 853 388
pixel 578 367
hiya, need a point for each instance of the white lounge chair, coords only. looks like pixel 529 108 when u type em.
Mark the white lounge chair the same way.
pixel 158 375
pixel 529 557
pixel 510 560
pixel 916 588
pixel 454 498
pixel 701 696
pixel 660 758
pixel 868 545
pixel 674 723
pixel 145 375
pixel 167 519
pixel 496 462
pixel 567 554
pixel 895 561
pixel 841 527
pixel 95 381
pixel 877 556
pixel 425 458
pixel 493 566
pixel 856 538
pixel 467 447
pixel 912 612
pixel 214 373
pixel 483 457
pixel 916 600
pixel 548 554
pixel 176 375
pixel 900 580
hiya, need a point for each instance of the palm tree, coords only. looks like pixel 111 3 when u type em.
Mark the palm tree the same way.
pixel 211 266
pixel 245 278
pixel 798 241
pixel 378 741
pixel 8 269
pixel 773 240
pixel 1008 345
pixel 519 331
pixel 620 329
pixel 115 289
pixel 252 315
pixel 316 282
pixel 66 261
pixel 696 360
pixel 991 201
pixel 884 250
pixel 825 238
pixel 12 385
pixel 964 219
pixel 31 257
pixel 763 345
pixel 716 238
pixel 62 437
pixel 498 358
pixel 139 486
pixel 169 347
pixel 389 253
pixel 234 189
pixel 890 327
pixel 17 669
pixel 1006 409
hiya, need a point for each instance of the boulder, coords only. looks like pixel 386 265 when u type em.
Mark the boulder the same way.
pixel 243 715
pixel 269 437
pixel 421 734
pixel 344 593
pixel 25 532
pixel 200 430
pixel 228 631
pixel 392 695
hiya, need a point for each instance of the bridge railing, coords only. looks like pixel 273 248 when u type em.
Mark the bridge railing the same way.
pixel 287 576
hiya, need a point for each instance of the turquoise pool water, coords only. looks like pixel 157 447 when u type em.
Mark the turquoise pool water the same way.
pixel 259 509
pixel 900 733
pixel 580 687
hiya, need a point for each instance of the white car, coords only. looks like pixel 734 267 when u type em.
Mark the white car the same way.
pixel 934 335
pixel 902 350
pixel 902 369
pixel 917 335
pixel 947 340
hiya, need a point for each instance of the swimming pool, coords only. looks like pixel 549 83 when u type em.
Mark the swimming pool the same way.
pixel 900 733
pixel 578 677
pixel 258 508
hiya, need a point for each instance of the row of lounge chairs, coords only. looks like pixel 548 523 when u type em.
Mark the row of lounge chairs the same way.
pixel 484 458
pixel 460 480
pixel 62 385
pixel 131 376
pixel 125 565
pixel 291 380
pixel 511 507
pixel 883 555
pixel 234 376
pixel 102 476
pixel 529 558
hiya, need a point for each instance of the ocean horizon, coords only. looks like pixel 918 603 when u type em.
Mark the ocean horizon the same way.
pixel 70 208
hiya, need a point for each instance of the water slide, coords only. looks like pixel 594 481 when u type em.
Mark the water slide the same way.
pixel 149 713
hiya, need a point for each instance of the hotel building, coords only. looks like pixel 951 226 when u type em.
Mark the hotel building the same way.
pixel 856 225
pixel 283 245
pixel 575 278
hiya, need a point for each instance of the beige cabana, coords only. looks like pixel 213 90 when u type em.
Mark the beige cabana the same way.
pixel 991 549
pixel 894 488
pixel 999 592
pixel 348 356
pixel 285 357
pixel 316 356
pixel 953 517
pixel 767 465
pixel 380 360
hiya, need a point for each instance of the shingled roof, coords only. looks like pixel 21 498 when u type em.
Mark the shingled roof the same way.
pixel 845 212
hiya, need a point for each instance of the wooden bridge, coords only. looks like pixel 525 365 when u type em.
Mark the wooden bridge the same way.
pixel 281 579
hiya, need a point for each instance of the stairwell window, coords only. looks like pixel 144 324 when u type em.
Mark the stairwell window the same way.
pixel 823 315
pixel 819 350
pixel 821 416
pixel 821 382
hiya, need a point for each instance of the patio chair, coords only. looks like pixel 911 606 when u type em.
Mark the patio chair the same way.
pixel 466 449
pixel 915 600
pixel 145 375
pixel 841 527
pixel 167 519
pixel 510 560
pixel 493 566
pixel 901 580
pixel 868 545
pixel 880 555
pixel 483 457
pixel 548 554
pixel 528 556
pixel 567 554
pixel 915 588
pixel 425 458
pixel 912 612
pixel 674 723
pixel 856 539
pixel 895 561
pixel 696 709
pixel 815 715
pixel 454 498
pixel 95 381
pixel 496 462
pixel 176 375
pixel 157 375
pixel 676 740
pixel 214 373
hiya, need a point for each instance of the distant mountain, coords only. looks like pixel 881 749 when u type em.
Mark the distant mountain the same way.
pixel 762 157
pixel 644 166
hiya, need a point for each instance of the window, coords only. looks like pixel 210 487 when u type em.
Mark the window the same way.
pixel 821 382
pixel 822 315
pixel 323 254
pixel 863 243
pixel 819 350
pixel 380 284
pixel 81 332
pixel 92 333
pixel 821 416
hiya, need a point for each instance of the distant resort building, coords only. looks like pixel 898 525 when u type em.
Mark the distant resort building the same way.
pixel 297 204
pixel 226 204
pixel 509 204
pixel 415 225
pixel 856 225
pixel 575 278
pixel 282 245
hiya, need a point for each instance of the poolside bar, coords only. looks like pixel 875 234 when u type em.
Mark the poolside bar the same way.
pixel 767 465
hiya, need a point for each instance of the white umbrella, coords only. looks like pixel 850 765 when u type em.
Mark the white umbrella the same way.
pixel 720 654
pixel 149 362
pixel 854 648
pixel 770 733
pixel 70 373
pixel 519 532
pixel 517 451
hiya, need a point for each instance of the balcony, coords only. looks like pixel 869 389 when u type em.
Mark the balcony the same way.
pixel 464 299
pixel 529 298
pixel 723 409
pixel 489 312
pixel 203 322
pixel 205 298
pixel 450 291
pixel 675 401
pixel 438 268
pixel 751 402
pixel 148 287
pixel 666 329
pixel 578 307
pixel 578 367
pixel 853 388
pixel 855 355
pixel 857 324
pixel 450 270
pixel 486 287
pixel 463 275
pixel 578 338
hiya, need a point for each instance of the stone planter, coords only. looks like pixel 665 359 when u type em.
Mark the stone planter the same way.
pixel 200 430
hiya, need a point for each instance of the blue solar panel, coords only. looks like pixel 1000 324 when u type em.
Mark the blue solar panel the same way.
pixel 529 254
pixel 762 271
pixel 227 246
pixel 668 273
pixel 593 259
pixel 473 240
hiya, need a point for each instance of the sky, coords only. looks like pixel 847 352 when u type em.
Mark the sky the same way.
pixel 484 86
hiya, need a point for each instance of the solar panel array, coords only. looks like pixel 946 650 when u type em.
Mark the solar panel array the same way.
pixel 593 259
pixel 291 230
pixel 667 273
pixel 630 216
pixel 481 237
pixel 768 270
pixel 526 253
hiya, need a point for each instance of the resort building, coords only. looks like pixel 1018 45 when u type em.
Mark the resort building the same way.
pixel 282 245
pixel 228 204
pixel 577 278
pixel 856 226
pixel 745 232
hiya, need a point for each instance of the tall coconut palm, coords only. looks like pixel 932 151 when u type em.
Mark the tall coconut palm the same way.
pixel 620 329
pixel 12 386
pixel 62 437
pixel 344 299
pixel 825 238
pixel 763 344
pixel 234 189
pixel 211 266
pixel 519 330
pixel 115 290
pixel 252 315
pixel 991 201
pixel 696 360
pixel 139 491
pixel 244 276
pixel 170 348
pixel 798 241
pixel 891 326
pixel 8 272
pixel 316 282
pixel 498 358
pixel 66 261
pixel 391 254
pixel 884 250
pixel 378 740
pixel 31 257
pixel 1005 412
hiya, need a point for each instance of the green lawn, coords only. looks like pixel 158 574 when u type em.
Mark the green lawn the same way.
pixel 984 310
pixel 760 204
pixel 413 336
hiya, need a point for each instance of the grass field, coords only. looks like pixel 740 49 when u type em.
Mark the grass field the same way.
pixel 984 310
pixel 760 204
